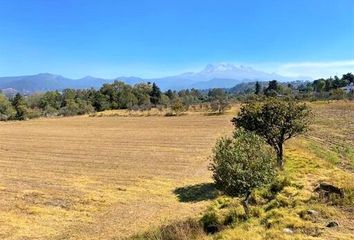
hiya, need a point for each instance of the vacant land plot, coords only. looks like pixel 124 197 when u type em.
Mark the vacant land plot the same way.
pixel 332 133
pixel 110 177
pixel 99 178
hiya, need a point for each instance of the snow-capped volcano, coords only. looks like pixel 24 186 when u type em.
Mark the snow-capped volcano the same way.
pixel 224 75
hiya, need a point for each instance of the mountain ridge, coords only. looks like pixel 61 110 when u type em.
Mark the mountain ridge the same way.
pixel 223 75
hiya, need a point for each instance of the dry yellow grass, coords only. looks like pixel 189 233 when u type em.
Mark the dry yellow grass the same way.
pixel 110 177
pixel 98 178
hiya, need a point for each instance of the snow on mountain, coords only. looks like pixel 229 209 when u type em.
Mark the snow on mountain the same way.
pixel 223 75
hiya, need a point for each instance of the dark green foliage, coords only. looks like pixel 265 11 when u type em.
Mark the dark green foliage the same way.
pixel 349 77
pixel 155 95
pixel 211 222
pixel 7 111
pixel 273 89
pixel 275 120
pixel 242 163
pixel 52 99
pixel 100 102
pixel 216 94
pixel 258 88
pixel 319 85
pixel 196 193
pixel 20 107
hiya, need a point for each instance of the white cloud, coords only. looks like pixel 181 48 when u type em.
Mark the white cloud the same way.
pixel 316 69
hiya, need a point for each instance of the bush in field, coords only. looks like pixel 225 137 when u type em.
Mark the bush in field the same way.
pixel 242 163
pixel 275 120
pixel 6 110
pixel 220 106
pixel 177 106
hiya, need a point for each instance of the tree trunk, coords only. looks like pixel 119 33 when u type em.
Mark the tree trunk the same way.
pixel 245 203
pixel 280 161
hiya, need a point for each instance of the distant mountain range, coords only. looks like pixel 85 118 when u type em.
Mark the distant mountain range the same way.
pixel 212 76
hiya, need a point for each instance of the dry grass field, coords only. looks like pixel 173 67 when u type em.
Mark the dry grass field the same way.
pixel 99 178
pixel 115 175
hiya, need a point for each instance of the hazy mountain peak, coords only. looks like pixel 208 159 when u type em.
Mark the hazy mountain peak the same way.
pixel 220 67
pixel 221 75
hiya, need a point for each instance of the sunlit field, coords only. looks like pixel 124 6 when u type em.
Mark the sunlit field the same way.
pixel 98 178
pixel 115 175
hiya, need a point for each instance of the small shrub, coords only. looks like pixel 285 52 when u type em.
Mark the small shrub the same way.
pixel 211 222
pixel 235 215
pixel 182 230
pixel 242 163
pixel 279 184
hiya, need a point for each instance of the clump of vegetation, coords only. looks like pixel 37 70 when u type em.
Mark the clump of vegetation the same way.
pixel 7 111
pixel 219 102
pixel 177 107
pixel 241 164
pixel 20 107
pixel 182 230
pixel 275 120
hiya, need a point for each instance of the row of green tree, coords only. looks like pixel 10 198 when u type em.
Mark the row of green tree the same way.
pixel 330 88
pixel 117 95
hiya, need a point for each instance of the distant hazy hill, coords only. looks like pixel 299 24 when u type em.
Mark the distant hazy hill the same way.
pixel 46 81
pixel 212 76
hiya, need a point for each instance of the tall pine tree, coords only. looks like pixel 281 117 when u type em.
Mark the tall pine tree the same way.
pixel 155 95
pixel 20 106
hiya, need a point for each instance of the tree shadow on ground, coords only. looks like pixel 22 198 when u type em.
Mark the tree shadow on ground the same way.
pixel 196 193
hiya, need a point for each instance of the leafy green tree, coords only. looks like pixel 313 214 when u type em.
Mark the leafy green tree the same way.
pixel 273 89
pixel 177 106
pixel 71 108
pixel 84 107
pixel 100 102
pixel 275 120
pixel 242 163
pixel 7 112
pixel 216 94
pixel 20 107
pixel 348 77
pixel 126 98
pixel 170 94
pixel 142 93
pixel 319 85
pixel 219 106
pixel 337 82
pixel 50 103
pixel 328 85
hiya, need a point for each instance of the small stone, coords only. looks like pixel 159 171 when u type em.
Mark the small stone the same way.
pixel 288 230
pixel 332 224
pixel 312 212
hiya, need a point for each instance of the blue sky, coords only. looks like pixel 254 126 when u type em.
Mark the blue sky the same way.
pixel 151 38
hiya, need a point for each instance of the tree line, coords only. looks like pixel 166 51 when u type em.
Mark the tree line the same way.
pixel 117 95
pixel 330 88
pixel 144 96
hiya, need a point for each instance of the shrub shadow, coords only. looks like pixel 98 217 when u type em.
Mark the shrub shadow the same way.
pixel 196 193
